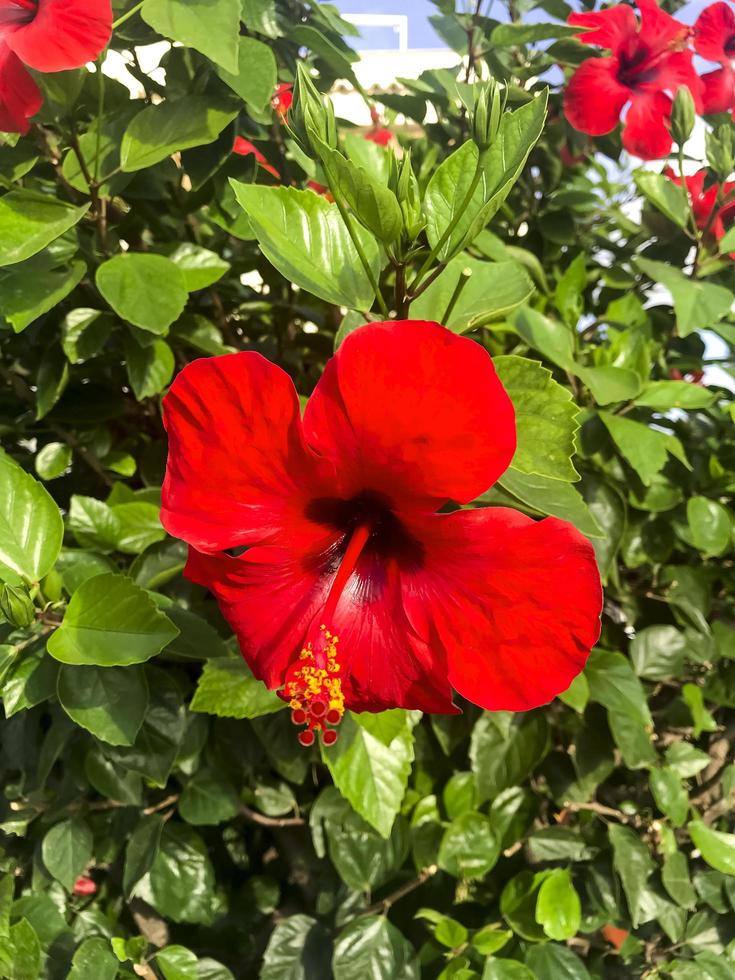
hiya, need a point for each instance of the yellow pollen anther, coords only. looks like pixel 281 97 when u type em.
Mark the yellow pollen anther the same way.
pixel 313 688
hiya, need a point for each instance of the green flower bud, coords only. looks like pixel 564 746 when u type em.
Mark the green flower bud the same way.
pixel 409 198
pixel 487 113
pixel 682 116
pixel 16 605
pixel 719 152
pixel 312 123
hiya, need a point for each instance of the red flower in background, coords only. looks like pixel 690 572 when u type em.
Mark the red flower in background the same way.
pixel 282 99
pixel 47 35
pixel 322 543
pixel 714 222
pixel 647 60
pixel 243 148
pixel 84 886
pixel 714 39
pixel 378 133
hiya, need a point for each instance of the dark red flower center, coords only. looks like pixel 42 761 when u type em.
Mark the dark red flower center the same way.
pixel 636 66
pixel 369 535
pixel 16 12
pixel 730 45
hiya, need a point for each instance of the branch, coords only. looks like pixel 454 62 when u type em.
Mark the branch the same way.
pixel 382 907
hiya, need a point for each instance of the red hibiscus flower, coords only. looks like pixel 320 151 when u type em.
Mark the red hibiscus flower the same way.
pixel 714 39
pixel 647 60
pixel 322 543
pixel 713 222
pixel 48 35
pixel 244 148
pixel 378 133
pixel 282 99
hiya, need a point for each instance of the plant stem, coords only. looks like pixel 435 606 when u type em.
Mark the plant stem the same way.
pixel 127 15
pixel 464 278
pixel 360 251
pixel 100 112
pixel 459 213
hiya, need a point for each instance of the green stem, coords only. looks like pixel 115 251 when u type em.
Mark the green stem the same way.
pixel 359 249
pixel 464 278
pixel 100 112
pixel 127 15
pixel 459 213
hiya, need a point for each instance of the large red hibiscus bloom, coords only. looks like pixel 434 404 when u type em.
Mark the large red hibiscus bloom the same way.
pixel 648 62
pixel 322 543
pixel 714 39
pixel 47 35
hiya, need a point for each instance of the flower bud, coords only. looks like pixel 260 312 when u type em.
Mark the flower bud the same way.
pixel 312 121
pixel 719 152
pixel 487 113
pixel 682 116
pixel 409 198
pixel 16 605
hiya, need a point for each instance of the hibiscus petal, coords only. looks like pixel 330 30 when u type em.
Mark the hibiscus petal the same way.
pixel 660 31
pixel 239 471
pixel 274 601
pixel 676 70
pixel 646 134
pixel 63 34
pixel 718 90
pixel 20 97
pixel 714 27
pixel 412 411
pixel 594 98
pixel 608 28
pixel 515 602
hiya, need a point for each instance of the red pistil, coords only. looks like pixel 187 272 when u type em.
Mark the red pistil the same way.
pixel 313 683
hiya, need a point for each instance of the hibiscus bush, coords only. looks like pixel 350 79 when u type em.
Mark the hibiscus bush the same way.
pixel 320 438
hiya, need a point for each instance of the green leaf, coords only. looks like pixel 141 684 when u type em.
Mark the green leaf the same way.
pixel 93 960
pixel 697 304
pixel 658 652
pixel 228 689
pixel 160 130
pixel 139 526
pixel 608 383
pixel 709 524
pixel 141 849
pixel 665 195
pixel 84 333
pixel 180 883
pixel 29 221
pixel 305 238
pixel 208 799
pixel 144 289
pixel 505 750
pixel 676 880
pixel 664 395
pixel 149 368
pixel 633 863
pixel 444 201
pixel 255 74
pixel 200 266
pixel 558 908
pixel 492 290
pixel 716 848
pixel 110 702
pixel 26 952
pixel 554 962
pixel 614 684
pixel 469 848
pixel 644 448
pixel 31 528
pixel 53 460
pixel 110 622
pixel 509 35
pixel 546 419
pixel 177 963
pixel 35 287
pixel 51 380
pixel 373 202
pixel 371 769
pixel 210 26
pixel 298 948
pixel 547 496
pixel 503 969
pixel 371 946
pixel 28 680
pixel 67 850
pixel 552 338
pixel 669 794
